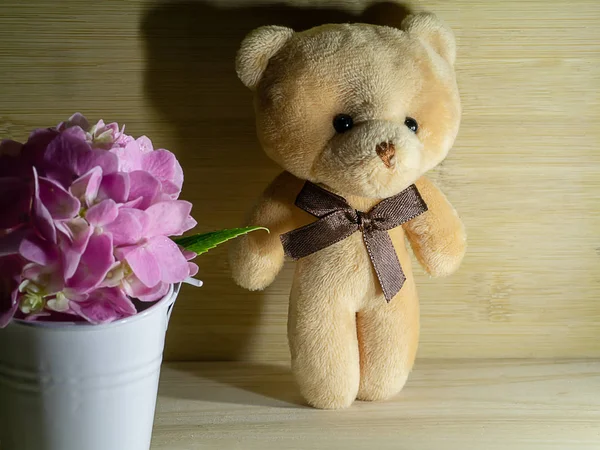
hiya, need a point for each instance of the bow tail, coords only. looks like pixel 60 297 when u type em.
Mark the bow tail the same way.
pixel 385 261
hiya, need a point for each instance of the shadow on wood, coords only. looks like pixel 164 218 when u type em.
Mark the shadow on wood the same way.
pixel 240 383
pixel 190 79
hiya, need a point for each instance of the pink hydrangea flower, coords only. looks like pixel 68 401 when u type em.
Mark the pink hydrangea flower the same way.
pixel 10 268
pixel 139 155
pixel 88 213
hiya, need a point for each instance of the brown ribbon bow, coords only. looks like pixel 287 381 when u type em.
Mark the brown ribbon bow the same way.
pixel 338 220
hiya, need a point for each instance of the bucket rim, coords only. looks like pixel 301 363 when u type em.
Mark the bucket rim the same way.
pixel 167 302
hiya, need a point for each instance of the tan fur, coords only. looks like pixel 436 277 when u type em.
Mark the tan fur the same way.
pixel 438 240
pixel 258 47
pixel 346 341
pixel 434 32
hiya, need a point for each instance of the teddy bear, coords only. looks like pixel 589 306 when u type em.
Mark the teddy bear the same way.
pixel 355 115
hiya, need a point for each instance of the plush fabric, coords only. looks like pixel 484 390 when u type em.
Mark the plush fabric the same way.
pixel 346 341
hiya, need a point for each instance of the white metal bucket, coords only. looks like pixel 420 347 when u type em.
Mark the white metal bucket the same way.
pixel 82 387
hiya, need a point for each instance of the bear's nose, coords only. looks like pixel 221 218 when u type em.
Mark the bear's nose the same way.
pixel 386 151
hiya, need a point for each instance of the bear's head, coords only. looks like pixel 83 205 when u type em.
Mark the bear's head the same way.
pixel 361 109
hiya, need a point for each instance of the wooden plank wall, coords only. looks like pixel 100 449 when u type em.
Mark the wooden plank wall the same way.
pixel 524 172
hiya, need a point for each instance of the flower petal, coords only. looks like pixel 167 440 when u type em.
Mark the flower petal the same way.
pixel 193 267
pixel 58 304
pixel 136 289
pixel 103 136
pixel 161 164
pixel 7 311
pixel 68 157
pixel 76 119
pixel 103 213
pixel 94 264
pixel 134 203
pixel 143 185
pixel 75 132
pixel 10 268
pixel 61 160
pixel 144 144
pixel 121 302
pixel 10 147
pixel 158 292
pixel 95 312
pixel 170 190
pixel 12 162
pixel 41 218
pixel 10 242
pixel 73 237
pixel 102 158
pixel 35 316
pixel 190 223
pixel 86 186
pixel 76 297
pixel 178 175
pixel 115 186
pixel 114 276
pixel 173 265
pixel 34 149
pixel 142 217
pixel 99 126
pixel 47 276
pixel 60 203
pixel 189 255
pixel 168 218
pixel 124 250
pixel 32 272
pixel 104 305
pixel 162 197
pixel 144 265
pixel 15 201
pixel 37 250
pixel 130 157
pixel 126 229
pixel 11 166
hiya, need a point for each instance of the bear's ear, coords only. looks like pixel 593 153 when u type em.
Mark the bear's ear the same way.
pixel 257 48
pixel 434 32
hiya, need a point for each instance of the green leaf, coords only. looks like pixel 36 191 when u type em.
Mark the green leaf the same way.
pixel 203 242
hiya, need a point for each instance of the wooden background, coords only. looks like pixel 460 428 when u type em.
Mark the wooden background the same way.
pixel 524 173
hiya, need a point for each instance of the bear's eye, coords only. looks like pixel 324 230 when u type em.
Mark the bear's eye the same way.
pixel 342 123
pixel 411 124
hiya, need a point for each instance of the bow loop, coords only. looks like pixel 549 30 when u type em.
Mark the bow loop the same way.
pixel 338 220
pixel 319 202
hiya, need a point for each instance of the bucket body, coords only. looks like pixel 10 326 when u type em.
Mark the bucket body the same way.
pixel 81 386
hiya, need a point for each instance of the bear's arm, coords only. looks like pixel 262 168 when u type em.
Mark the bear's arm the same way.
pixel 437 236
pixel 257 258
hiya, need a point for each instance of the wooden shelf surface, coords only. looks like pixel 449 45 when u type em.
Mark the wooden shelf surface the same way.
pixel 447 404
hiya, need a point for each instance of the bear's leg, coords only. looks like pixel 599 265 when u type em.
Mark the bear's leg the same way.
pixel 388 338
pixel 324 349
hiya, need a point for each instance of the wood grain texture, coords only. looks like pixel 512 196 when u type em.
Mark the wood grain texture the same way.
pixel 452 405
pixel 523 174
